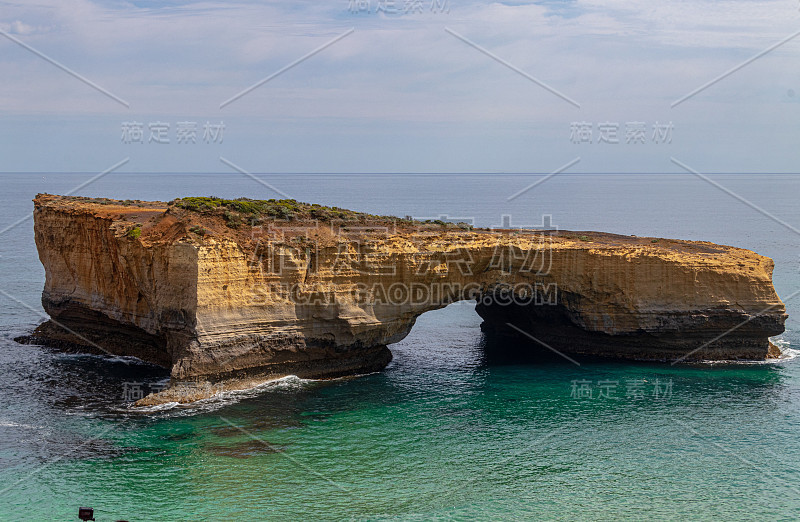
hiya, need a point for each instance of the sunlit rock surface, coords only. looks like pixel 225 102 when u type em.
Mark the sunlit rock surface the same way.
pixel 231 295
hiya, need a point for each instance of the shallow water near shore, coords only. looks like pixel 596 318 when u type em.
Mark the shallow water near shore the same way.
pixel 457 426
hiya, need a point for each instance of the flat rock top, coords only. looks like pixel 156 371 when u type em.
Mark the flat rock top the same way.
pixel 203 220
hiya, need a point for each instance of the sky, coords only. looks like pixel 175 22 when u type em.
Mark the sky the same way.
pixel 400 86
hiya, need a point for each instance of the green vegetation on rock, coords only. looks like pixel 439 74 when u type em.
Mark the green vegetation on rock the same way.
pixel 200 231
pixel 135 232
pixel 237 212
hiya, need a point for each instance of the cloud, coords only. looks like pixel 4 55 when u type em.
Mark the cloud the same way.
pixel 18 27
pixel 620 59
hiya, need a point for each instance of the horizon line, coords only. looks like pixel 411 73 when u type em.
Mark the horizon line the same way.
pixel 399 173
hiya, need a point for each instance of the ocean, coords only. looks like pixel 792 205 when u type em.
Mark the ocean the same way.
pixel 458 426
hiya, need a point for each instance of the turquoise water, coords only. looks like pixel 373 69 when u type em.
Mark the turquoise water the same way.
pixel 457 427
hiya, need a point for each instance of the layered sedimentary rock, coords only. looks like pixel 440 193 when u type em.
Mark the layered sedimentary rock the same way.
pixel 227 295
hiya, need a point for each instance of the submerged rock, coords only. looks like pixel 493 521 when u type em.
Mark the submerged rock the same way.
pixel 232 293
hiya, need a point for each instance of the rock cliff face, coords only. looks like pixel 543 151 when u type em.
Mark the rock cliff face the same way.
pixel 228 295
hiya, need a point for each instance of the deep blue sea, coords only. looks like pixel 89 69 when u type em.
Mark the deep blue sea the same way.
pixel 457 426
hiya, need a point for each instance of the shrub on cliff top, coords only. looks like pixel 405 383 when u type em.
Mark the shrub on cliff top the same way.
pixel 272 207
pixel 199 204
pixel 286 209
pixel 200 231
pixel 236 212
pixel 232 219
pixel 135 232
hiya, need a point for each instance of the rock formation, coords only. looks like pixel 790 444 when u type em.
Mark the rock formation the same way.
pixel 232 293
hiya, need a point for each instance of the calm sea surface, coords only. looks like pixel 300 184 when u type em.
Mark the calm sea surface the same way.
pixel 456 427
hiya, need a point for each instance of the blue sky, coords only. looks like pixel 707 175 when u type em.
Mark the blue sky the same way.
pixel 404 91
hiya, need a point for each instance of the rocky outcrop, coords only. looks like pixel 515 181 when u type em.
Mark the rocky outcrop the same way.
pixel 227 295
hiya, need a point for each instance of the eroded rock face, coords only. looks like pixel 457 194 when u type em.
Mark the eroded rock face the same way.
pixel 238 306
